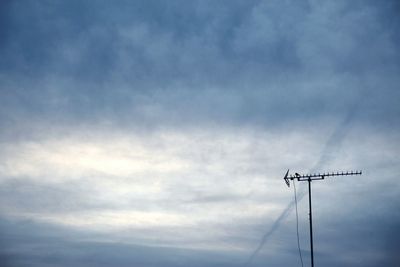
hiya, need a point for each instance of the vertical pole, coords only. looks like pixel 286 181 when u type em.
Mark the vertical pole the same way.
pixel 311 233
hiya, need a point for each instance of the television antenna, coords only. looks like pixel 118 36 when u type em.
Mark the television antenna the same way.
pixel 309 178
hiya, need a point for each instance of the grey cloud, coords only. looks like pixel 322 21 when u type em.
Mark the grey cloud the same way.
pixel 372 251
pixel 170 62
pixel 22 195
pixel 30 244
pixel 143 66
pixel 80 195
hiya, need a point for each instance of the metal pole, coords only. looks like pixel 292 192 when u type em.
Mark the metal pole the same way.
pixel 311 234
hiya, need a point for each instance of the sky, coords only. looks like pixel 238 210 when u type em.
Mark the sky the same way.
pixel 156 133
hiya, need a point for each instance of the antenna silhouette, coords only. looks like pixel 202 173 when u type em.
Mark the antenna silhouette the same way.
pixel 309 178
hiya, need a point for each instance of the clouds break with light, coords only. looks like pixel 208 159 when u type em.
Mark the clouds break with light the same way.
pixel 156 133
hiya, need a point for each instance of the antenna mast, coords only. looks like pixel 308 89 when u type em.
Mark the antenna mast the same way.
pixel 309 178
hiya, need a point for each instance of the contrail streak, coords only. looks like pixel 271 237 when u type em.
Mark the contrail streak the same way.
pixel 332 144
pixel 273 228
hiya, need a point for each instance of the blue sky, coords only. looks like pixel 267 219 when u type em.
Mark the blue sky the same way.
pixel 157 133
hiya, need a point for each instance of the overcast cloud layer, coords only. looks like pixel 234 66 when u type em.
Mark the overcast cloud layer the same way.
pixel 157 133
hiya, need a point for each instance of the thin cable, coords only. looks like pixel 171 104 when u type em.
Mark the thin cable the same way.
pixel 297 224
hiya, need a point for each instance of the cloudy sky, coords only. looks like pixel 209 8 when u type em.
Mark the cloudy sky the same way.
pixel 156 133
